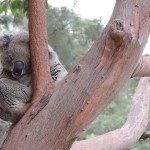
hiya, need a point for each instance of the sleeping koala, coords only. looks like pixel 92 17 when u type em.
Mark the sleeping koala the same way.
pixel 15 79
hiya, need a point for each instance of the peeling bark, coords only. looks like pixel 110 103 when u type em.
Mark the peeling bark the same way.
pixel 91 85
pixel 131 131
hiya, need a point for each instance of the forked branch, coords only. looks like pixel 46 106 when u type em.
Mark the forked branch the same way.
pixel 131 131
pixel 143 67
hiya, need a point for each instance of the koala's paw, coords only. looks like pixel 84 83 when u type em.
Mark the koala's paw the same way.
pixel 14 99
pixel 58 72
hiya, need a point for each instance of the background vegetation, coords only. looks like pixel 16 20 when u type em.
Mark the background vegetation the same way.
pixel 71 36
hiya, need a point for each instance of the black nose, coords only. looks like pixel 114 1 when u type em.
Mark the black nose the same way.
pixel 17 69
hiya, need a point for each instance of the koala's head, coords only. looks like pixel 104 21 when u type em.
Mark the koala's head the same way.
pixel 15 53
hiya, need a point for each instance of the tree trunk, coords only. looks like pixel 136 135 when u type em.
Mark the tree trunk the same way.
pixel 39 48
pixel 90 86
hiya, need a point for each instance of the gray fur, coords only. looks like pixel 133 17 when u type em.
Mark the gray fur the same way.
pixel 16 93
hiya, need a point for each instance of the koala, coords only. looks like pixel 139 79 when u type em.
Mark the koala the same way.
pixel 15 78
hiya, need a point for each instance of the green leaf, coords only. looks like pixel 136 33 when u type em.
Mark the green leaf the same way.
pixel 16 6
pixel 3 7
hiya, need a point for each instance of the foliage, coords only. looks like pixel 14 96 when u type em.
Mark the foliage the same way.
pixel 142 144
pixel 70 35
pixel 15 6
pixel 12 14
pixel 9 22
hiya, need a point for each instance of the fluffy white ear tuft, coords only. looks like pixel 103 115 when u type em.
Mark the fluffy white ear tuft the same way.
pixel 4 41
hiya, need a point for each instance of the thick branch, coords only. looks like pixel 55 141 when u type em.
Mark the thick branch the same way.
pixel 125 137
pixel 42 81
pixel 39 48
pixel 143 68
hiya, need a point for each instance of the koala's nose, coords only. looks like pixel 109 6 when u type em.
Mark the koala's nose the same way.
pixel 17 69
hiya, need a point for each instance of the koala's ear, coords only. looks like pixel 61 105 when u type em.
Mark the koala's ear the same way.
pixel 4 41
pixel 50 51
pixel 53 56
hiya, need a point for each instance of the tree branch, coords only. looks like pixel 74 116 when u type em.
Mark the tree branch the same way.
pixel 39 48
pixel 42 80
pixel 143 67
pixel 131 131
pixel 145 135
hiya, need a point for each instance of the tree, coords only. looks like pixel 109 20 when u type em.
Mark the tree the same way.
pixel 112 60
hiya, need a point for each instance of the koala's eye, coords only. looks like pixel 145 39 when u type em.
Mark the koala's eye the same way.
pixel 10 57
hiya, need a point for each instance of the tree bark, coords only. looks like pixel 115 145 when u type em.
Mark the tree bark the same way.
pixel 143 68
pixel 131 131
pixel 42 80
pixel 91 85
